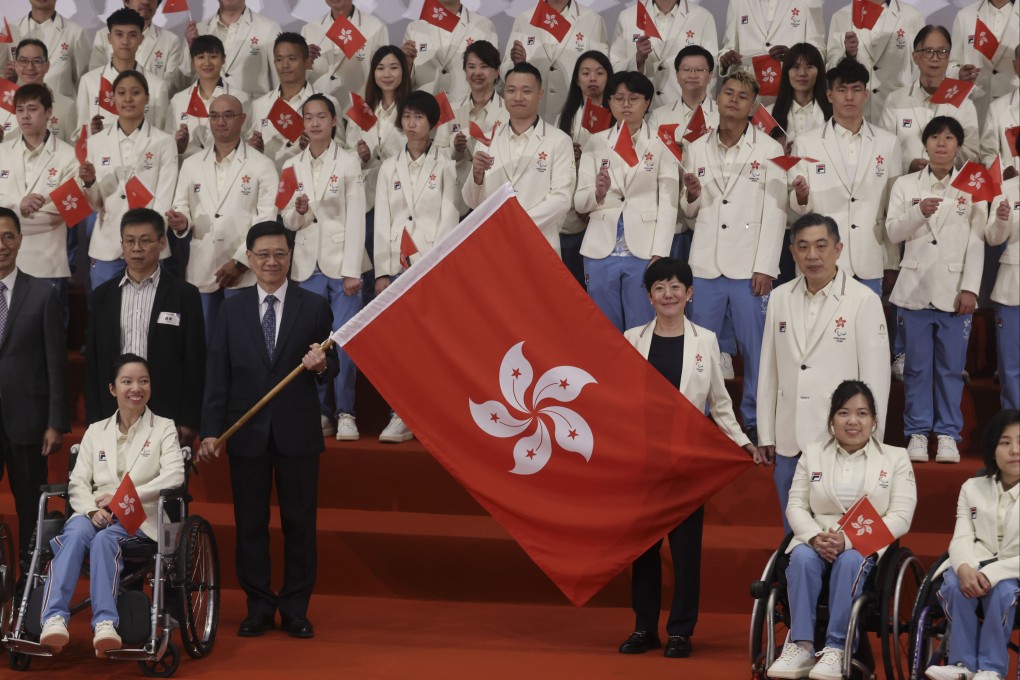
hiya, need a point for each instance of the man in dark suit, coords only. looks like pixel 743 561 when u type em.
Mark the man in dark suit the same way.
pixel 151 313
pixel 33 384
pixel 261 334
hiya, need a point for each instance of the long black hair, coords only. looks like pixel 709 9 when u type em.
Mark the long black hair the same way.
pixel 575 98
pixel 784 99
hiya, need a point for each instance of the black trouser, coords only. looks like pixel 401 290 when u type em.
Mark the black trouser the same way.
pixel 646 580
pixel 296 490
pixel 26 471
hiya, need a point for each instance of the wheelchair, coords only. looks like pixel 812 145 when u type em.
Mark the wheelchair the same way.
pixel 882 607
pixel 930 629
pixel 180 570
pixel 8 567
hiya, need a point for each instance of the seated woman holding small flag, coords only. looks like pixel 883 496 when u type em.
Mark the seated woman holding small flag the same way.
pixel 851 472
pixel 123 464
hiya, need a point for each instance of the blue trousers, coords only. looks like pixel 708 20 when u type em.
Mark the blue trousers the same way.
pixel 344 307
pixel 804 584
pixel 616 286
pixel 211 308
pixel 977 645
pixel 1007 335
pixel 932 382
pixel 782 475
pixel 712 299
pixel 102 271
pixel 106 563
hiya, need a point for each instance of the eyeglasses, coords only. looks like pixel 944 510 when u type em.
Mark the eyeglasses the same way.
pixel 265 255
pixel 693 71
pixel 25 61
pixel 934 54
pixel 142 243
pixel 8 237
pixel 227 117
pixel 629 100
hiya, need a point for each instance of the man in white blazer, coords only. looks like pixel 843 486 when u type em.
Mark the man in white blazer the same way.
pixel 65 40
pixel 821 328
pixel 535 157
pixel 1004 227
pixel 220 194
pixel 992 77
pixel 554 58
pixel 736 199
pixel 681 24
pixel 754 28
pixel 31 63
pixel 161 51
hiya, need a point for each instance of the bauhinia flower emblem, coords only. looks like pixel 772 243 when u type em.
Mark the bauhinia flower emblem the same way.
pixel 9 97
pixel 127 505
pixel 439 14
pixel 976 180
pixel 550 20
pixel 769 75
pixel 70 203
pixel 533 448
pixel 285 121
pixel 862 525
pixel 952 92
pixel 345 35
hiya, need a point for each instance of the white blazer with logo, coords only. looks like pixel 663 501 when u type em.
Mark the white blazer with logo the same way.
pixel 199 135
pixel 219 219
pixel 857 203
pixel 976 536
pixel 573 223
pixel 750 33
pixel 997 232
pixel 1004 113
pixel 88 98
pixel 944 253
pixel 331 235
pixel 333 72
pixel 701 380
pixel 161 53
pixel 997 77
pixel 154 462
pixel 909 109
pixel 67 46
pixel 799 372
pixel 645 195
pixel 249 62
pixel 439 62
pixel 62 120
pixel 888 483
pixel 275 146
pixel 383 142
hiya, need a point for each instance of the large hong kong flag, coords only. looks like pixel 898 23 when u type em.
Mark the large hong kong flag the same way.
pixel 533 401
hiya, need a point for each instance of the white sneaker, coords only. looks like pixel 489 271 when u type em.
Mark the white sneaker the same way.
pixel 346 428
pixel 105 639
pixel 947 451
pixel 830 666
pixel 726 365
pixel 54 634
pixel 795 662
pixel 987 675
pixel 897 366
pixel 328 428
pixel 395 432
pixel 917 448
pixel 957 672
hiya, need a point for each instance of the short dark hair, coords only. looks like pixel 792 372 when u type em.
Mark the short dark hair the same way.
pixel 293 39
pixel 485 52
pixel 12 216
pixel 990 440
pixel 34 92
pixel 847 72
pixel 928 30
pixel 268 228
pixel 847 390
pixel 206 44
pixel 694 51
pixel 122 361
pixel 143 216
pixel 941 124
pixel 666 268
pixel 422 102
pixel 637 83
pixel 32 41
pixel 125 17
pixel 813 219
pixel 131 73
pixel 524 68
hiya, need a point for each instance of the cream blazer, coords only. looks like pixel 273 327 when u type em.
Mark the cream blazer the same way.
pixel 439 64
pixel 154 462
pixel 494 113
pixel 161 53
pixel 88 98
pixel 645 195
pixel 740 219
pixel 44 245
pixel 333 72
pixel 701 380
pixel 249 63
pixel 888 483
pixel 382 144
pixel 199 136
pixel 750 33
pixel 62 123
pixel 997 232
pixel 331 235
pixel 219 219
pixel 67 46
pixel 275 146
pixel 1003 114
pixel 799 372
pixel 997 77
pixel 857 203
pixel 908 109
pixel 427 209
pixel 976 536
pixel 944 253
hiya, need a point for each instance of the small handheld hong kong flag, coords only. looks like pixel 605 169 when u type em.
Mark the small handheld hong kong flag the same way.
pixel 624 146
pixel 360 114
pixel 346 36
pixel 985 41
pixel 550 21
pixel 952 91
pixel 70 202
pixel 696 126
pixel 286 120
pixel 286 188
pixel 445 110
pixel 126 506
pixel 478 134
pixel 865 528
pixel 138 195
pixel 407 249
pixel 768 72
pixel 196 107
pixel 6 36
pixel 1011 134
pixel 866 14
pixel 437 15
pixel 81 147
pixel 764 121
pixel 106 96
pixel 596 118
pixel 645 23
pixel 667 133
pixel 787 162
pixel 173 6
pixel 983 184
pixel 7 90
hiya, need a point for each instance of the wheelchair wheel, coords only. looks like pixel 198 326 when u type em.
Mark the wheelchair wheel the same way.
pixel 928 626
pixel 766 594
pixel 19 661
pixel 165 666
pixel 900 586
pixel 198 574
pixel 8 565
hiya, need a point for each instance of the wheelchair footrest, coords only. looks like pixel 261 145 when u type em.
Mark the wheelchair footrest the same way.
pixel 131 654
pixel 26 647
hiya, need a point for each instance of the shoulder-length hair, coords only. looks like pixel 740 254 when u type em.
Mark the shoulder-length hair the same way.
pixel 373 93
pixel 784 99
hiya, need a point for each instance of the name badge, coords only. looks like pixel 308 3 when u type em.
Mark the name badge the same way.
pixel 169 318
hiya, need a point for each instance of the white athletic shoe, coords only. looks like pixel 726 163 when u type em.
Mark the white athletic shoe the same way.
pixel 347 428
pixel 328 428
pixel 957 672
pixel 829 666
pixel 105 639
pixel 795 662
pixel 54 634
pixel 987 675
pixel 897 366
pixel 917 448
pixel 395 432
pixel 947 451
pixel 726 365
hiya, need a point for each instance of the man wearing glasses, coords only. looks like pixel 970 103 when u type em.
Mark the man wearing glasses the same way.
pixel 31 63
pixel 65 41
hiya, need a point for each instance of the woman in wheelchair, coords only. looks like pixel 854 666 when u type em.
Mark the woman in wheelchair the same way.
pixel 830 477
pixel 983 565
pixel 133 441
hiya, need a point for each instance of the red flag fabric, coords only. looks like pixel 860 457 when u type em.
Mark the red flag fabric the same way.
pixel 696 126
pixel 866 14
pixel 865 528
pixel 550 21
pixel 6 36
pixel 106 96
pixel 763 120
pixel 1011 134
pixel 445 110
pixel 360 114
pixel 196 107
pixel 768 72
pixel 624 146
pixel 70 202
pixel 346 36
pixel 563 408
pixel 596 118
pixel 286 120
pixel 407 249
pixel 172 6
pixel 7 91
pixel 437 15
pixel 286 188
pixel 645 23
pixel 667 133
pixel 478 134
pixel 127 506
pixel 952 91
pixel 81 147
pixel 978 181
pixel 787 162
pixel 985 41
pixel 138 195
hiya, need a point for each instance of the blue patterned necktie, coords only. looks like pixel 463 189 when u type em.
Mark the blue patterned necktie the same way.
pixel 3 310
pixel 268 323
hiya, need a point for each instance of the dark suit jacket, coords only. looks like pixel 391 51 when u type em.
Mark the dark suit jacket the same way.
pixel 176 354
pixel 33 362
pixel 239 373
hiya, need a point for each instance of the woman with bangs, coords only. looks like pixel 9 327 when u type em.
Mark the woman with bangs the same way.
pixel 801 104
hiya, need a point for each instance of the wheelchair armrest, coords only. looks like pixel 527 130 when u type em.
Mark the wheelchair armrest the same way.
pixel 54 489
pixel 175 492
